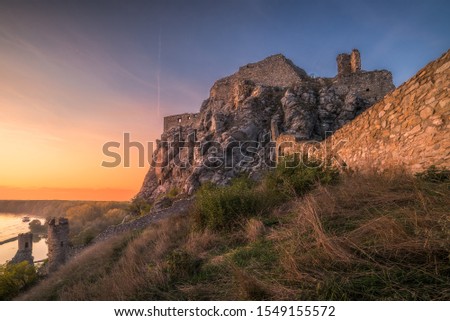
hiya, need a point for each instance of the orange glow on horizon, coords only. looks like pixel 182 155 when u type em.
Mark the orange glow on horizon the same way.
pixel 63 95
pixel 50 162
pixel 104 194
pixel 35 166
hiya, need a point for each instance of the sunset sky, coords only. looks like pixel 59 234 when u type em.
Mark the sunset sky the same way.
pixel 77 74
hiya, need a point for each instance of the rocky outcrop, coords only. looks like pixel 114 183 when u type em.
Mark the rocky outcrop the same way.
pixel 235 130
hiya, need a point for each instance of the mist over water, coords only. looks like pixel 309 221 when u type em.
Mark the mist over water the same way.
pixel 10 226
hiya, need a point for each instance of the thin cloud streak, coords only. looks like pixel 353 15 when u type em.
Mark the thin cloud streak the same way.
pixel 158 77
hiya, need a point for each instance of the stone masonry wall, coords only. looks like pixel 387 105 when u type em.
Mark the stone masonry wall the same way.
pixel 409 128
pixel 348 63
pixel 186 119
pixel 274 71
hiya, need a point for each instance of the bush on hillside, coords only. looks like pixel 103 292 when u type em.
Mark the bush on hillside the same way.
pixel 88 220
pixel 139 206
pixel 83 231
pixel 300 179
pixel 219 207
pixel 14 278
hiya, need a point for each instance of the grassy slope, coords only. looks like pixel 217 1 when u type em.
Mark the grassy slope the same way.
pixel 369 237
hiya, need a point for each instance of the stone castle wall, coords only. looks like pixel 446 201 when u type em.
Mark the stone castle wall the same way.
pixel 186 119
pixel 274 71
pixel 370 85
pixel 408 128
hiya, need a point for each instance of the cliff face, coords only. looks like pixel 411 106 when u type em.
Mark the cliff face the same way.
pixel 235 130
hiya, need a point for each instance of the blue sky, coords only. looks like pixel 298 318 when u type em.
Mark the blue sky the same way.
pixel 80 73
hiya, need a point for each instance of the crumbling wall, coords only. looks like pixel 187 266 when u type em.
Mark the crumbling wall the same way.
pixel 186 119
pixel 58 243
pixel 355 61
pixel 409 128
pixel 274 71
pixel 25 249
pixel 348 63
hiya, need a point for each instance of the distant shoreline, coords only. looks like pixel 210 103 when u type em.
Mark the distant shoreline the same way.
pixel 43 208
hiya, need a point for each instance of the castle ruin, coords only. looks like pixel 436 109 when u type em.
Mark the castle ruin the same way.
pixel 348 63
pixel 58 243
pixel 186 119
pixel 259 104
pixel 408 128
pixel 25 250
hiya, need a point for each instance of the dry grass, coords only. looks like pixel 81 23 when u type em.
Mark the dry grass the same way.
pixel 254 229
pixel 388 234
pixel 200 242
pixel 372 237
pixel 128 267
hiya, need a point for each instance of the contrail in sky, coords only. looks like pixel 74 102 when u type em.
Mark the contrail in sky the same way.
pixel 158 77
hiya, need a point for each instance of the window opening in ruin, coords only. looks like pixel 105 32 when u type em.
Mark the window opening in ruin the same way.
pixel 367 89
pixel 62 243
pixel 26 245
pixel 179 120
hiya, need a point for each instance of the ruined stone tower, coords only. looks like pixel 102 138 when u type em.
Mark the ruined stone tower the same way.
pixel 25 250
pixel 349 63
pixel 58 242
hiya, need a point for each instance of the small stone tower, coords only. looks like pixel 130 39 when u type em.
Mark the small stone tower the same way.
pixel 58 243
pixel 349 63
pixel 25 250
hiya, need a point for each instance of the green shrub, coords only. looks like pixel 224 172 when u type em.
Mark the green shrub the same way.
pixel 222 207
pixel 14 278
pixel 435 175
pixel 300 179
pixel 174 191
pixel 139 206
pixel 93 217
pixel 85 237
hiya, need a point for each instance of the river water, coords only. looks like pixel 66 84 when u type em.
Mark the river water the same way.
pixel 10 226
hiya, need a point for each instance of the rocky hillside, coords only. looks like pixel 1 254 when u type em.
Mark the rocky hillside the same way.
pixel 235 130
